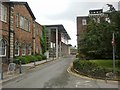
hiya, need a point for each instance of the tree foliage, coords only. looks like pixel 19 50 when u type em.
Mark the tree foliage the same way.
pixel 96 42
pixel 43 40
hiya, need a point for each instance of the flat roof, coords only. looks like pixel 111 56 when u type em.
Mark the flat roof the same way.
pixel 60 29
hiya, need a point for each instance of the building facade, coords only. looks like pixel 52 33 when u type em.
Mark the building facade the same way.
pixel 81 26
pixel 36 38
pixel 82 21
pixel 57 41
pixel 20 33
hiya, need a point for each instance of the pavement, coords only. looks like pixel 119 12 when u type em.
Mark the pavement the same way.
pixel 24 68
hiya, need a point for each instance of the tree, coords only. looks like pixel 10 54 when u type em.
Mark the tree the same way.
pixel 96 42
pixel 115 22
pixel 43 40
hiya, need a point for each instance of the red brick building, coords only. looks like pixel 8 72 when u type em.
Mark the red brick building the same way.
pixel 81 27
pixel 82 21
pixel 37 34
pixel 20 33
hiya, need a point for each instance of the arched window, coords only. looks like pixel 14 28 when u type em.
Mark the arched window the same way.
pixel 24 50
pixel 29 50
pixel 17 49
pixel 2 48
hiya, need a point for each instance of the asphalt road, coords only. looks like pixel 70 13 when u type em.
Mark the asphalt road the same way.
pixel 54 75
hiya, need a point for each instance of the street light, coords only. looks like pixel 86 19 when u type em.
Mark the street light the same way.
pixel 113 44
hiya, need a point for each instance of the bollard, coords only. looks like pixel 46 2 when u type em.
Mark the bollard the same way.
pixel 2 71
pixel 20 68
pixel 2 75
pixel 34 63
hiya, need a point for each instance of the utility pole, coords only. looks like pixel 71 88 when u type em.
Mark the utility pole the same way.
pixel 113 44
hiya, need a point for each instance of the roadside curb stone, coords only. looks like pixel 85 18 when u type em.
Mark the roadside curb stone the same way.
pixel 85 77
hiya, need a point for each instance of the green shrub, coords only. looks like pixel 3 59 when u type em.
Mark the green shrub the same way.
pixel 39 58
pixel 23 60
pixel 43 57
pixel 16 60
pixel 88 68
pixel 33 58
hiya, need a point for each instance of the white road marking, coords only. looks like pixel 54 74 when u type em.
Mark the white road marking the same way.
pixel 85 83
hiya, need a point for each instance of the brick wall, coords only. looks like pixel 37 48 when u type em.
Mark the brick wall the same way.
pixel 80 27
pixel 22 36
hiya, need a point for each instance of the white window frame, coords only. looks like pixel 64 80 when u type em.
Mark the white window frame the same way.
pixel 21 22
pixel 84 22
pixel 18 48
pixel 37 49
pixel 2 48
pixel 3 13
pixel 107 19
pixel 98 20
pixel 24 50
pixel 26 25
pixel 29 49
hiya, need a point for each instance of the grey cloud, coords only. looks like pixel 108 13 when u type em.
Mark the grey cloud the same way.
pixel 78 9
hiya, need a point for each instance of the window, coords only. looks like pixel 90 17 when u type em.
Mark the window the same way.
pixel 36 29
pixel 29 26
pixel 84 22
pixel 37 49
pixel 94 19
pixel 26 25
pixel 17 49
pixel 107 19
pixel 3 13
pixel 2 48
pixel 24 51
pixel 21 22
pixel 51 45
pixel 17 20
pixel 98 20
pixel 29 50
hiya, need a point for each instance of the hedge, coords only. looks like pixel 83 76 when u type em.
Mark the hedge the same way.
pixel 87 68
pixel 28 59
pixel 43 57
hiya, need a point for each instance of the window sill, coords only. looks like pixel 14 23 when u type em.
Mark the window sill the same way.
pixel 2 55
pixel 16 55
pixel 23 54
pixel 3 21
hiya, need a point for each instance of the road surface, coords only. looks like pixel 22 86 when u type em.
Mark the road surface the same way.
pixel 54 75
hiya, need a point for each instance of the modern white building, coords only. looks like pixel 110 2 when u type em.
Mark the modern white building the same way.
pixel 57 40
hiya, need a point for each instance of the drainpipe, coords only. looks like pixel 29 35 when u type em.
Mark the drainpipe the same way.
pixel 9 33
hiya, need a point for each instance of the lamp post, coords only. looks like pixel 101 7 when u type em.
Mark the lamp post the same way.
pixel 113 44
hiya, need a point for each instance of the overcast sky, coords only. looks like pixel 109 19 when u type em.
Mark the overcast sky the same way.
pixel 49 12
